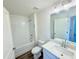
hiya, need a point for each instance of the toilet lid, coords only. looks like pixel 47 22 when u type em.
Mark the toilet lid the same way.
pixel 36 50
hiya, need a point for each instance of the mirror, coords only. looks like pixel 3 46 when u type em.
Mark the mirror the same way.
pixel 63 24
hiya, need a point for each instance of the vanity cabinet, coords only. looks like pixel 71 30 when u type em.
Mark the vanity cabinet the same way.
pixel 48 55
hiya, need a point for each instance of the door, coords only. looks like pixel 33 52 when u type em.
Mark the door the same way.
pixel 48 55
pixel 60 27
pixel 8 52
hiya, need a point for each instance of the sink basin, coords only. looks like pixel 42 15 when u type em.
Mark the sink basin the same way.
pixel 64 50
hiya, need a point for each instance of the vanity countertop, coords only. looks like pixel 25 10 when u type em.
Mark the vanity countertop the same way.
pixel 55 49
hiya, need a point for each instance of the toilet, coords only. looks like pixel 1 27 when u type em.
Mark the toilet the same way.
pixel 36 51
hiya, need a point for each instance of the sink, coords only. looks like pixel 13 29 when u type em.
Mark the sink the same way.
pixel 60 52
pixel 64 50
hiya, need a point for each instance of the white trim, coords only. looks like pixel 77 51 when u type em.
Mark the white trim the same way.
pixel 36 32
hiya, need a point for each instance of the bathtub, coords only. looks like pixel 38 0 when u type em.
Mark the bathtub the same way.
pixel 24 48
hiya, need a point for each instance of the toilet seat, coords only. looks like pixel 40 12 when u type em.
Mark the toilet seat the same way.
pixel 36 50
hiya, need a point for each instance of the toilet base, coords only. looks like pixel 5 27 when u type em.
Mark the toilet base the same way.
pixel 36 56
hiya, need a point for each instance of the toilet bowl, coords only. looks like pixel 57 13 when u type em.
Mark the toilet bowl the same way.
pixel 36 51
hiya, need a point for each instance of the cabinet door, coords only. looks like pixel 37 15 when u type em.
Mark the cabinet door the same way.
pixel 48 55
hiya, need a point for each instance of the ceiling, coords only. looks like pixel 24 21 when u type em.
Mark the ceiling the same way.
pixel 25 7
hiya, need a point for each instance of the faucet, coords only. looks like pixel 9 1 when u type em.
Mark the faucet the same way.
pixel 63 44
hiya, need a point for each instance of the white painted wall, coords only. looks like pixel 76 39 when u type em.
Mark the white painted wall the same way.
pixel 8 52
pixel 21 34
pixel 43 23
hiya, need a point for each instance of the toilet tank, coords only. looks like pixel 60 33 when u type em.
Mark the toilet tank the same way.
pixel 41 42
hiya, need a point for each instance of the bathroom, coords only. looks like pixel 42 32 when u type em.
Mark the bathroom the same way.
pixel 39 29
